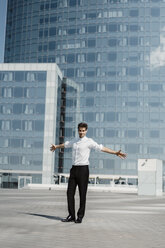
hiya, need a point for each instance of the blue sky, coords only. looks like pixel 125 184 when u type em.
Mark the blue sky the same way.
pixel 3 5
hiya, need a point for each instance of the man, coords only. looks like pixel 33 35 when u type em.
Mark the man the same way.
pixel 79 173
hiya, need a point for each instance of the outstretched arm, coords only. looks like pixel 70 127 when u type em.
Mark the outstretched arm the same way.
pixel 117 153
pixel 54 147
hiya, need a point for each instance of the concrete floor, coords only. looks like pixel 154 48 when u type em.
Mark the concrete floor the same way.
pixel 32 218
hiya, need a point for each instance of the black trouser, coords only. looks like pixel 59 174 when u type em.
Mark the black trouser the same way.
pixel 79 175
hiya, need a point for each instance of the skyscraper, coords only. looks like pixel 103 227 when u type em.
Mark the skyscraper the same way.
pixel 114 50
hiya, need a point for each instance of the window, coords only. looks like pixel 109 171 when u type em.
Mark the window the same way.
pixel 73 3
pixel 92 29
pixel 155 41
pixel 40 48
pixel 41 33
pixel 6 109
pixel 45 48
pixel 15 160
pixel 6 76
pixel 53 5
pixel 41 76
pixel 111 116
pixel 39 125
pixel 4 125
pixel 19 76
pixel 52 45
pixel 51 59
pixel 91 15
pixel 155 104
pixel 53 19
pixel 28 125
pixel 46 33
pixel 70 72
pixel 133 87
pixel 134 28
pixel 91 57
pixel 112 87
pixel 52 31
pixel 133 71
pixel 89 101
pixel 91 132
pixel 91 43
pixel 40 108
pixel 72 31
pixel 99 132
pixel 16 125
pixel 113 42
pixel 111 133
pixel 132 104
pixel 70 58
pixel 47 6
pixel 41 21
pixel 155 87
pixel 133 148
pixel 154 117
pixel 40 92
pixel 90 87
pixel 6 92
pixel 154 134
pixel 155 150
pixel 134 12
pixel 16 143
pixel 90 73
pixel 90 116
pixel 68 118
pixel 133 41
pixel 18 92
pixel 42 7
pixel 68 132
pixel 132 117
pixel 155 12
pixel 109 164
pixel 131 133
pixel 112 56
pixel 30 76
pixel 113 27
pixel 17 108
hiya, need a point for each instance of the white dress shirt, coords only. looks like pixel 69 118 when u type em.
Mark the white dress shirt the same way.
pixel 81 149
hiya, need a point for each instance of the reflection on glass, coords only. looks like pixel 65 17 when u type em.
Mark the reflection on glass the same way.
pixel 22 118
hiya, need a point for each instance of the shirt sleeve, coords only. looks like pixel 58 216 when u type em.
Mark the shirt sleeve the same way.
pixel 95 146
pixel 69 144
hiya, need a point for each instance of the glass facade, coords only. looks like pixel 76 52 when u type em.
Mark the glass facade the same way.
pixel 114 50
pixel 22 111
pixel 33 99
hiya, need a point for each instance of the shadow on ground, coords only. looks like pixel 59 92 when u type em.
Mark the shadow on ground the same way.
pixel 45 216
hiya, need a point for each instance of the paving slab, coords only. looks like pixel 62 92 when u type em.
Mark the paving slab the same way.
pixel 32 218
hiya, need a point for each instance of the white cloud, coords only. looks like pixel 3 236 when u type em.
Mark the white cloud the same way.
pixel 157 56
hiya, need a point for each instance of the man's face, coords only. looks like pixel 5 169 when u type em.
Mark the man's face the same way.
pixel 82 132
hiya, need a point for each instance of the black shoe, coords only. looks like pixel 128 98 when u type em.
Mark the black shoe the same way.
pixel 78 221
pixel 68 219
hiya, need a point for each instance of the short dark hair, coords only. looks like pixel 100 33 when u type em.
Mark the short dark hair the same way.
pixel 83 124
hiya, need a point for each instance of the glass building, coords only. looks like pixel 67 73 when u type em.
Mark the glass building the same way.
pixel 31 120
pixel 115 51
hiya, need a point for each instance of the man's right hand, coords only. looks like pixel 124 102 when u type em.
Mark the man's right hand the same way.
pixel 53 148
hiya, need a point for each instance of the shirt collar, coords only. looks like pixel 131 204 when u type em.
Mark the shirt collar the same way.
pixel 84 138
